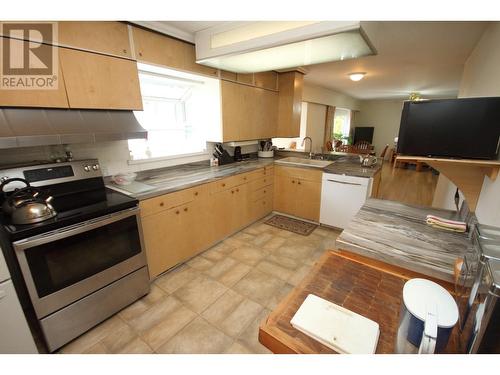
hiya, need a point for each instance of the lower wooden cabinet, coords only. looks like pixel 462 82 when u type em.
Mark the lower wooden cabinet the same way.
pixel 202 216
pixel 297 192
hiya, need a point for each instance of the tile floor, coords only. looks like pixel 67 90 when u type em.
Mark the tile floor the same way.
pixel 215 302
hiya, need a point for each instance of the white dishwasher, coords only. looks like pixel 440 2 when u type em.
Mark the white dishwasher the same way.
pixel 341 198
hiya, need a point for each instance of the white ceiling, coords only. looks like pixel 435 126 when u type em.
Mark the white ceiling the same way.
pixel 424 57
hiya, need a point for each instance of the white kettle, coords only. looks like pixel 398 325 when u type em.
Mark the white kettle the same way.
pixel 428 315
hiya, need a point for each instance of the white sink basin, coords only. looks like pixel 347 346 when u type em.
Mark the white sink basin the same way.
pixel 304 162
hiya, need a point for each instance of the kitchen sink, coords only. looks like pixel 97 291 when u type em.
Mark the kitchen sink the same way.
pixel 304 162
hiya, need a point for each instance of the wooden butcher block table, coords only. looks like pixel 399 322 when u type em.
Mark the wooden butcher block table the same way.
pixel 366 286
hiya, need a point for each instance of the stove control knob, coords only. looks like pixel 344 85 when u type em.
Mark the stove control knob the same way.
pixel 86 168
pixel 3 179
pixel 95 167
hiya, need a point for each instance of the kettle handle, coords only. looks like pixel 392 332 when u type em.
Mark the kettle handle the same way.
pixel 9 180
pixel 429 336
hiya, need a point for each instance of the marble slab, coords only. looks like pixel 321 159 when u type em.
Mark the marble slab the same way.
pixel 397 234
pixel 350 166
pixel 168 180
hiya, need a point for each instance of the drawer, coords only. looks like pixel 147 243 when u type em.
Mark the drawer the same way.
pixel 265 192
pixel 307 174
pixel 261 182
pixel 167 201
pixel 226 183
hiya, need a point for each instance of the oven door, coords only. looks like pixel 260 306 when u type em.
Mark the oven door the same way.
pixel 62 266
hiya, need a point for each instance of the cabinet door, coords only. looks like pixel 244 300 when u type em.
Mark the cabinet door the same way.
pixel 309 194
pixel 161 239
pixel 100 82
pixel 242 206
pixel 290 104
pixel 247 112
pixel 37 98
pixel 222 208
pixel 100 36
pixel 152 47
pixel 285 194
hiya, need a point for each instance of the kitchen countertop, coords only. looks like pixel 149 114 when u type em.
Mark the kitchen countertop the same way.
pixel 397 234
pixel 171 179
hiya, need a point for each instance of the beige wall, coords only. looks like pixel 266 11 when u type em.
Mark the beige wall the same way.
pixel 321 95
pixel 481 77
pixel 384 116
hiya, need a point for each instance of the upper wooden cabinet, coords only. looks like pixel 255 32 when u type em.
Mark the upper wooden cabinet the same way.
pixel 151 47
pixel 37 98
pixel 266 80
pixel 105 37
pixel 290 104
pixel 100 82
pixel 247 112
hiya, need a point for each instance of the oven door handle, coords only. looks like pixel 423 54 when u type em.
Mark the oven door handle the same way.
pixel 75 229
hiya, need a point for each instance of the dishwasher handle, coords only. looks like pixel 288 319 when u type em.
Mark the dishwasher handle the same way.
pixel 344 183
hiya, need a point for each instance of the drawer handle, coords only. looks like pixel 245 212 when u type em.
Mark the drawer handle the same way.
pixel 298 182
pixel 223 185
pixel 244 178
pixel 237 190
pixel 124 50
pixel 195 193
pixel 185 209
pixel 293 181
pixel 265 180
pixel 177 212
pixel 162 204
pixel 140 53
pixel 232 191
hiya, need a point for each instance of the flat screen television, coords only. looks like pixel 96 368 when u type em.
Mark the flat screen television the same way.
pixel 458 128
pixel 363 133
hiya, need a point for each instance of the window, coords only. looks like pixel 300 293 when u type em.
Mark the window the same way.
pixel 179 112
pixel 341 124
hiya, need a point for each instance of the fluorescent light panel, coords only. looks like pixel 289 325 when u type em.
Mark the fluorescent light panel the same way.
pixel 341 46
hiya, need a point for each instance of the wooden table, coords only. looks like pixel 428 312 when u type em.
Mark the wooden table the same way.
pixel 367 287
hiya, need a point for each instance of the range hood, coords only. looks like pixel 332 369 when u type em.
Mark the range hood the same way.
pixel 24 127
pixel 251 47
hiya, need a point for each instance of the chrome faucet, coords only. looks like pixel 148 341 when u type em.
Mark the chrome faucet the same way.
pixel 310 148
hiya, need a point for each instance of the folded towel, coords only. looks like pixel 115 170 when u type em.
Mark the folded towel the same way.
pixel 442 223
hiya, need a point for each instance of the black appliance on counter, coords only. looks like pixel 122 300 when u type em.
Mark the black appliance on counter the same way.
pixel 460 128
pixel 87 262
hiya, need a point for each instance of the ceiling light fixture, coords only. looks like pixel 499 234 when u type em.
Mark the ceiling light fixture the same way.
pixel 250 47
pixel 357 76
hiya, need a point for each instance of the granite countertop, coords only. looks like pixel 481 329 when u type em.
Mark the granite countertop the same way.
pixel 397 234
pixel 350 166
pixel 168 180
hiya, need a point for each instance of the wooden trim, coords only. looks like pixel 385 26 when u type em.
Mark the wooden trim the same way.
pixel 388 268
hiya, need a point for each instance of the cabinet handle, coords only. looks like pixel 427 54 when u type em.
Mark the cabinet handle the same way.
pixel 195 193
pixel 298 182
pixel 162 204
pixel 223 185
pixel 140 53
pixel 177 212
pixel 245 178
pixel 293 181
pixel 185 209
pixel 237 190
pixel 124 51
pixel 232 191
pixel 264 192
pixel 265 180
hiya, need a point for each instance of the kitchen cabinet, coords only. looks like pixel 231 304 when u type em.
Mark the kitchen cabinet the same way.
pixel 99 36
pixel 266 80
pixel 245 78
pixel 247 112
pixel 179 225
pixel 154 48
pixel 100 82
pixel 290 86
pixel 56 98
pixel 297 192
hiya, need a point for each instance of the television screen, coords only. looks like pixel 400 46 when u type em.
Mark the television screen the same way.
pixel 363 133
pixel 461 128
